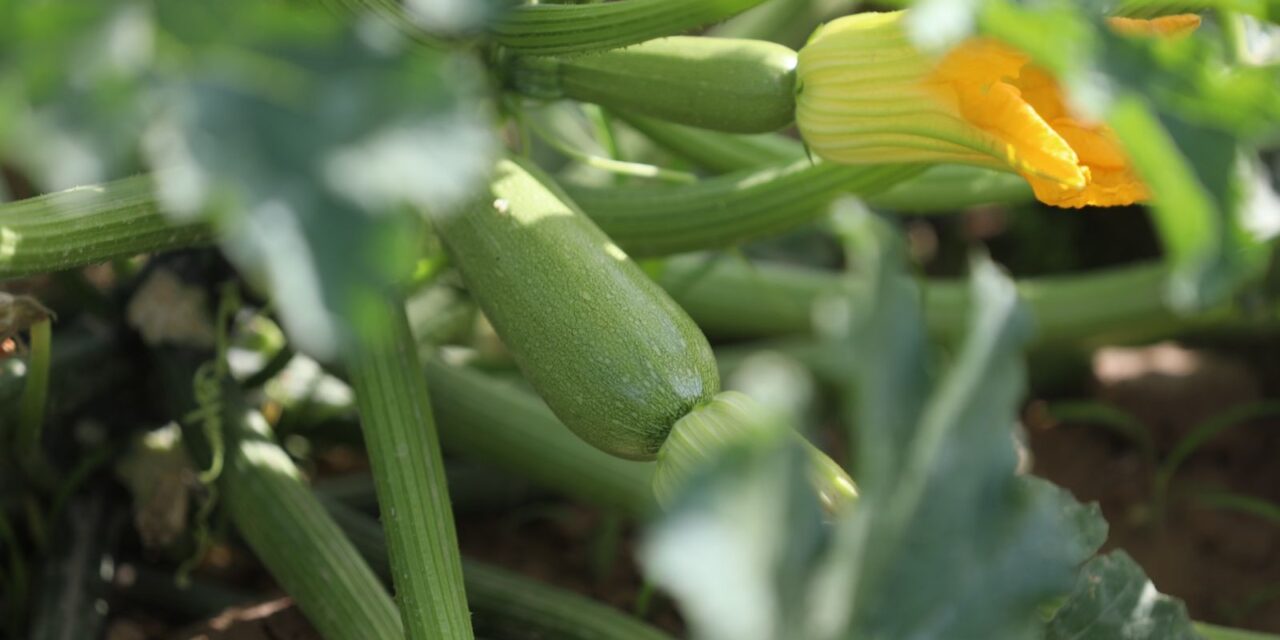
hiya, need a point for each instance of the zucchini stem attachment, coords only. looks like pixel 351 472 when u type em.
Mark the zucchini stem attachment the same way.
pixel 731 418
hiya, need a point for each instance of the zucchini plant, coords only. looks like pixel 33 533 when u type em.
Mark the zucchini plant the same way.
pixel 558 238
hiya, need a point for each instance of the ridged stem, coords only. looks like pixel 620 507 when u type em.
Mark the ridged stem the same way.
pixel 507 604
pixel 400 435
pixel 299 543
pixel 645 221
pixel 1154 8
pixel 725 84
pixel 35 394
pixel 491 421
pixel 725 298
pixel 940 188
pixel 733 298
pixel 1214 632
pixel 729 209
pixel 88 225
pixel 715 150
pixel 269 503
pixel 564 28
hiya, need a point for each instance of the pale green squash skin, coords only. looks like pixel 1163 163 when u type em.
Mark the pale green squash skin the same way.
pixel 726 84
pixel 612 355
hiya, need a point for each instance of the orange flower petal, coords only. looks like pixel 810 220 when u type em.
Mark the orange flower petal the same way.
pixel 1178 25
pixel 867 95
pixel 1112 181
pixel 979 74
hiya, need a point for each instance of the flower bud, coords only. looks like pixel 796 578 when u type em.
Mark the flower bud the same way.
pixel 868 95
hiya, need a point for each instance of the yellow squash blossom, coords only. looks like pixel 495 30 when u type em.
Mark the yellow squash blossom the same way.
pixel 867 95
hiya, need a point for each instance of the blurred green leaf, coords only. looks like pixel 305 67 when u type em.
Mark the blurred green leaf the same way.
pixel 69 81
pixel 950 543
pixel 304 138
pixel 1187 116
pixel 1114 600
pixel 738 548
pixel 945 540
pixel 299 136
pixel 1264 9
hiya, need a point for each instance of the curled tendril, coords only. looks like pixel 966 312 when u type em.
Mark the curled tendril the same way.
pixel 207 385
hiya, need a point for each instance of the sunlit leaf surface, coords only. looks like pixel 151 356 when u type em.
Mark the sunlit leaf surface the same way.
pixel 303 137
pixel 945 541
pixel 1114 600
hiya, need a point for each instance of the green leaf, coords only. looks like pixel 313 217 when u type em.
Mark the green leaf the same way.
pixel 955 545
pixel 738 548
pixel 1187 118
pixel 68 108
pixel 305 140
pixel 1263 9
pixel 301 139
pixel 1114 600
pixel 945 540
pixel 1195 229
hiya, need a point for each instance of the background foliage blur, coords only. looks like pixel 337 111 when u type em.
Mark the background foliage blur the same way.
pixel 312 135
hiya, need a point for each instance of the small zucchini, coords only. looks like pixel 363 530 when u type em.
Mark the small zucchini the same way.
pixel 726 84
pixel 613 356
pixel 548 28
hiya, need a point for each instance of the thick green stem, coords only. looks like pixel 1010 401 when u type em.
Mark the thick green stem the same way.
pixel 509 605
pixel 88 225
pixel 727 210
pixel 400 434
pixel 725 84
pixel 488 420
pixel 270 504
pixel 714 150
pixel 563 28
pixel 1235 35
pixel 300 544
pixel 1154 8
pixel 789 22
pixel 645 221
pixel 34 398
pixel 938 189
pixel 732 298
pixel 1214 632
pixel 727 299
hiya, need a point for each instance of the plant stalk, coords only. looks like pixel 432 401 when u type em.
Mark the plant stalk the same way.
pixel 938 189
pixel 35 396
pixel 733 298
pixel 264 493
pixel 727 210
pixel 1120 303
pixel 545 29
pixel 507 604
pixel 488 420
pixel 300 544
pixel 89 225
pixel 400 434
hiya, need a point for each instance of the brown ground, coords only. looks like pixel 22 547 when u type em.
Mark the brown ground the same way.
pixel 1224 564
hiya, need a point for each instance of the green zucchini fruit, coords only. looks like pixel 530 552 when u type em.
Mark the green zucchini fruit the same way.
pixel 739 86
pixel 547 28
pixel 613 356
